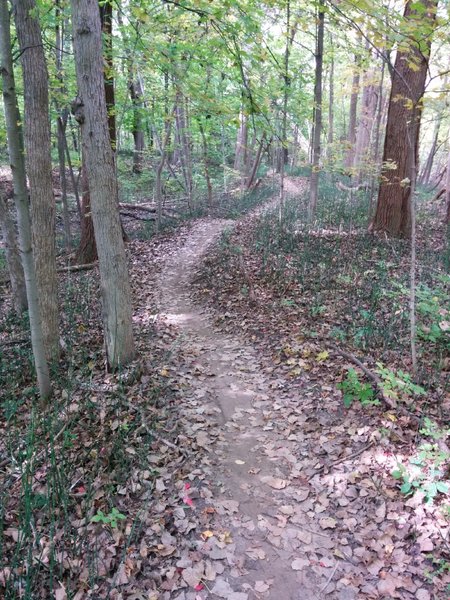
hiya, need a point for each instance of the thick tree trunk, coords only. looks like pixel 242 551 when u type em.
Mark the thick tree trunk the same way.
pixel 16 276
pixel 317 132
pixel 39 167
pixel 114 279
pixel 393 213
pixel 16 157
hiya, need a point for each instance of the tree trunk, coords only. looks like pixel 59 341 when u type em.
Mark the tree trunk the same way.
pixel 16 157
pixel 426 173
pixel 331 109
pixel 393 213
pixel 317 132
pixel 106 16
pixel 241 142
pixel 206 164
pixel 87 249
pixel 114 279
pixel 16 276
pixel 447 191
pixel 352 117
pixel 39 167
pixel 362 158
pixel 61 123
pixel 136 94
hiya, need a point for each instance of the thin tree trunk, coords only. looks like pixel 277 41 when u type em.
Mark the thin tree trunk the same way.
pixel 100 168
pixel 376 137
pixel 257 162
pixel 136 94
pixel 16 157
pixel 87 248
pixel 314 180
pixel 16 276
pixel 106 16
pixel 286 82
pixel 206 164
pixel 447 190
pixel 61 123
pixel 39 167
pixel 353 112
pixel 426 173
pixel 362 156
pixel 331 109
pixel 241 142
pixel 159 170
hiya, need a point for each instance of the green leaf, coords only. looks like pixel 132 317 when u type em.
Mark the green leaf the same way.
pixel 406 488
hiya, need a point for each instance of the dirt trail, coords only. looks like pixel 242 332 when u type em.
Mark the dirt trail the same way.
pixel 252 464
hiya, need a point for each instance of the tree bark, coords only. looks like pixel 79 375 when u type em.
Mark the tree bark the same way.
pixel 106 17
pixel 136 94
pixel 87 249
pixel 39 167
pixel 16 276
pixel 61 123
pixel 393 213
pixel 317 131
pixel 206 164
pixel 100 169
pixel 353 112
pixel 362 157
pixel 16 157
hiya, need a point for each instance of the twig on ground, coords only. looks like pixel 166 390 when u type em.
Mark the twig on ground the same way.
pixel 328 581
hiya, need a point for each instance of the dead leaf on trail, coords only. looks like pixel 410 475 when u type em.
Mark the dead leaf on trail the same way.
pixel 256 553
pixel 240 462
pixel 327 523
pixel 263 586
pixel 300 563
pixel 274 482
pixel 60 593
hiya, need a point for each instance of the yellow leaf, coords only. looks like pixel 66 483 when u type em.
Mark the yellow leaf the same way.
pixel 322 356
pixel 391 417
pixel 205 535
pixel 164 372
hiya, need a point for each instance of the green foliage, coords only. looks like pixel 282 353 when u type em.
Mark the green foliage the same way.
pixel 398 384
pixel 110 518
pixel 427 470
pixel 353 389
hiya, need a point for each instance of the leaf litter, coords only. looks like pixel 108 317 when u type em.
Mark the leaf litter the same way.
pixel 240 475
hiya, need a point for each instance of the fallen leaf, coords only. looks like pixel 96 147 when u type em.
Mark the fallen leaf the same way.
pixel 274 482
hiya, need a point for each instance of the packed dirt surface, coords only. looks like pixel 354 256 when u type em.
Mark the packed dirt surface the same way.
pixel 296 483
pixel 252 465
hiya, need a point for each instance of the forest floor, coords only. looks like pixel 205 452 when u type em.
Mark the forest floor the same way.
pixel 236 470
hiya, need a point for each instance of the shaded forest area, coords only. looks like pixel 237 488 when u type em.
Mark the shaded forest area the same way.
pixel 225 299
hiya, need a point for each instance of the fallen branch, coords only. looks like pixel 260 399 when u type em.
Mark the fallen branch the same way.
pixel 346 188
pixel 72 268
pixel 15 341
pixel 370 374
